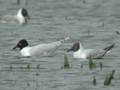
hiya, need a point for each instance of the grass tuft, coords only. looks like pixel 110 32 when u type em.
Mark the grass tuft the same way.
pixel 66 62
pixel 109 78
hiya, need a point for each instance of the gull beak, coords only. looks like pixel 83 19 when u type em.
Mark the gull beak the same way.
pixel 27 18
pixel 14 48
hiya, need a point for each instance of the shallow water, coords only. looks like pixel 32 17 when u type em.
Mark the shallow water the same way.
pixel 93 22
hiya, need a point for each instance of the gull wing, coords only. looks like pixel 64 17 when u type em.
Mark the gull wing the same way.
pixel 96 54
pixel 46 48
pixel 8 18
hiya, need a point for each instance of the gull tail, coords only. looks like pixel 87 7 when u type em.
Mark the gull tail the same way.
pixel 65 39
pixel 60 42
pixel 109 47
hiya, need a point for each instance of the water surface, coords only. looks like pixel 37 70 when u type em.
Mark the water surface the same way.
pixel 93 22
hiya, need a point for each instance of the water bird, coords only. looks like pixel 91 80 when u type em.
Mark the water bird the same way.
pixel 45 49
pixel 80 52
pixel 21 17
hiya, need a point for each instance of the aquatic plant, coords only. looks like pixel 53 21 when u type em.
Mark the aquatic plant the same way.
pixel 38 66
pixel 91 64
pixel 117 32
pixel 84 1
pixel 81 66
pixel 66 62
pixel 94 81
pixel 11 67
pixel 101 65
pixel 18 2
pixel 28 66
pixel 28 84
pixel 109 78
pixel 26 2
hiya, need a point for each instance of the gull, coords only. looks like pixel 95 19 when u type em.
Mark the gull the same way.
pixel 44 49
pixel 80 52
pixel 21 17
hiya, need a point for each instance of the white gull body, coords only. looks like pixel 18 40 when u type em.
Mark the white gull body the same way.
pixel 21 17
pixel 80 52
pixel 41 49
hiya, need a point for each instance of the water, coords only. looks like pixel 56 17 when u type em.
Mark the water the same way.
pixel 93 22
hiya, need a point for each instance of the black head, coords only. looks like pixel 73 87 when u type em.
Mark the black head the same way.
pixel 21 44
pixel 75 47
pixel 25 13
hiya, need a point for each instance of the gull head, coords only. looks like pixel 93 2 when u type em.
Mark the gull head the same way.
pixel 21 44
pixel 75 47
pixel 23 15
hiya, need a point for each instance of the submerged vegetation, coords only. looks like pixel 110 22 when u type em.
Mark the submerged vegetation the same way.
pixel 28 66
pixel 109 78
pixel 101 65
pixel 92 64
pixel 94 81
pixel 66 62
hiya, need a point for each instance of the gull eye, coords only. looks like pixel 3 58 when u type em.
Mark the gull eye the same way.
pixel 19 44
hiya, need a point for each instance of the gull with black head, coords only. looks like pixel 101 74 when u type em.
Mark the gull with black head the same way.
pixel 21 17
pixel 45 49
pixel 80 52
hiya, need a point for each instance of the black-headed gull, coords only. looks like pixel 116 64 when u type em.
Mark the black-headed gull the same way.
pixel 21 17
pixel 80 52
pixel 41 49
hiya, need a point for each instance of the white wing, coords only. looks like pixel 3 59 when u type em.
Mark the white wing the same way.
pixel 98 53
pixel 46 48
pixel 8 19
